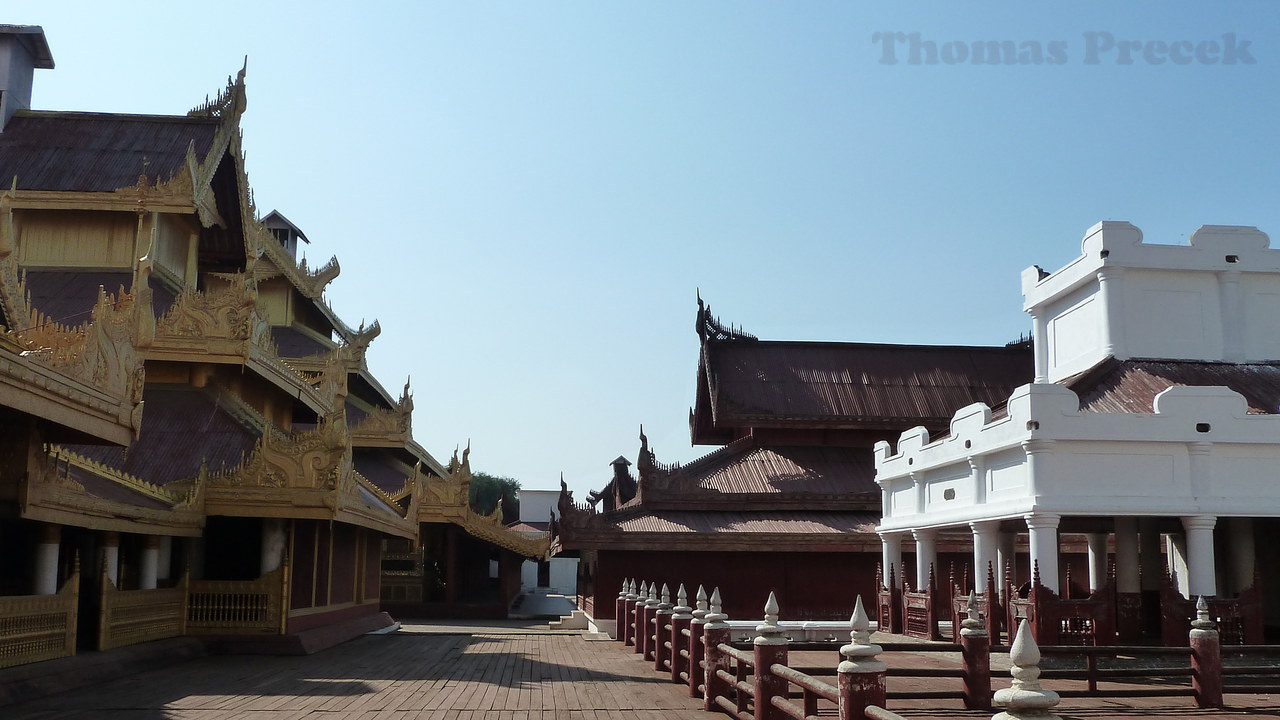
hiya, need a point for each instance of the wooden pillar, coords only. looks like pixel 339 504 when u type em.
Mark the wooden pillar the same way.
pixel 48 540
pixel 147 569
pixel 1128 582
pixel 451 573
pixel 770 649
pixel 111 557
pixel 975 656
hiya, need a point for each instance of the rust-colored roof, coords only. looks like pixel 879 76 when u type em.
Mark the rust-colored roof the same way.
pixel 68 297
pixel 762 384
pixel 98 152
pixel 181 426
pixel 1132 385
pixel 767 522
pixel 743 467
pixel 108 489
pixel 530 528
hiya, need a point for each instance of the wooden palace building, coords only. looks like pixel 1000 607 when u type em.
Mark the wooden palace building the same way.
pixel 787 502
pixel 193 443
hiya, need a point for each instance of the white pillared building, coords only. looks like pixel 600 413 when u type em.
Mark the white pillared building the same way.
pixel 558 575
pixel 1151 429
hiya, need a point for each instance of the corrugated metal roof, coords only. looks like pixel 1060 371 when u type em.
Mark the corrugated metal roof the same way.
pixel 843 383
pixel 107 489
pixel 68 297
pixel 293 343
pixel 773 522
pixel 181 426
pixel 787 470
pixel 97 152
pixel 1132 385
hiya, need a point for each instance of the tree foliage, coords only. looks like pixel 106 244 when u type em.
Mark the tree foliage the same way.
pixel 486 489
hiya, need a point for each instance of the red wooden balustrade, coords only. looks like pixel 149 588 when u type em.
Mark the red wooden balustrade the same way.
pixel 693 646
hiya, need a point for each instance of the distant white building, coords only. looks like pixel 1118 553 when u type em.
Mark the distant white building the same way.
pixel 557 575
pixel 1151 429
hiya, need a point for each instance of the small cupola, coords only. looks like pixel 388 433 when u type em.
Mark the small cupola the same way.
pixel 23 48
pixel 286 232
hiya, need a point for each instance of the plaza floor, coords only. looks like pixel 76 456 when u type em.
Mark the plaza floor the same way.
pixel 467 671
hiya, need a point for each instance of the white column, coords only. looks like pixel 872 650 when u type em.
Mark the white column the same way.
pixel 1097 560
pixel 1040 344
pixel 273 540
pixel 891 556
pixel 1038 451
pixel 977 469
pixel 1043 532
pixel 1240 531
pixel 926 555
pixel 150 561
pixel 46 565
pixel 164 557
pixel 111 557
pixel 1112 310
pixel 1149 557
pixel 985 549
pixel 1231 316
pixel 1127 577
pixel 1007 559
pixel 1202 576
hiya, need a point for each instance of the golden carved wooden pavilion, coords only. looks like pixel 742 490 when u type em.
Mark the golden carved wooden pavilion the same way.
pixel 193 443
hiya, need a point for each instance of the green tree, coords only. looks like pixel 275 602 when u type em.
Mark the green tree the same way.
pixel 487 489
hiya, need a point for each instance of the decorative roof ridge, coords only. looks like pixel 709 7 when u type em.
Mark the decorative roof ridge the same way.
pixel 710 327
pixel 230 101
pixel 107 472
pixel 850 344
pixel 730 448
pixel 100 115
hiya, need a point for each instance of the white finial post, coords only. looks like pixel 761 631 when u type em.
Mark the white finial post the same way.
pixel 770 649
pixel 1206 658
pixel 861 676
pixel 975 657
pixel 681 619
pixel 697 624
pixel 715 633
pixel 1025 699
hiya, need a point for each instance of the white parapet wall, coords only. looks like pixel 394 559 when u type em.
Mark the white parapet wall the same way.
pixel 1197 452
pixel 1217 299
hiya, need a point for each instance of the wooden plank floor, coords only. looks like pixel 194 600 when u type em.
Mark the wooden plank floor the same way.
pixel 403 676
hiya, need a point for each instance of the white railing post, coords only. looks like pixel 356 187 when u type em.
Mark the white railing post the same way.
pixel 1025 700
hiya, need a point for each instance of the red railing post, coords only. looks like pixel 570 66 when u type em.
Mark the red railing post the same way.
pixel 629 613
pixel 1206 659
pixel 696 651
pixel 681 616
pixel 650 613
pixel 975 654
pixel 661 617
pixel 714 633
pixel 861 676
pixel 638 627
pixel 770 648
pixel 620 613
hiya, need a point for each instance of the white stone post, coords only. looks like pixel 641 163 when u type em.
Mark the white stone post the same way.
pixel 1097 560
pixel 1109 297
pixel 1231 316
pixel 985 550
pixel 150 561
pixel 1040 344
pixel 1025 699
pixel 890 555
pixel 1127 575
pixel 1242 553
pixel 1043 531
pixel 46 565
pixel 1177 559
pixel 1202 575
pixel 164 557
pixel 273 542
pixel 111 557
pixel 1008 559
pixel 926 555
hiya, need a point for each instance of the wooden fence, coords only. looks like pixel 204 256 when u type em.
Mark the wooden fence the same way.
pixel 128 617
pixel 39 627
pixel 693 646
pixel 237 607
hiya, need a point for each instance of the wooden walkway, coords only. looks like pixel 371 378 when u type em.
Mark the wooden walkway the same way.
pixel 503 675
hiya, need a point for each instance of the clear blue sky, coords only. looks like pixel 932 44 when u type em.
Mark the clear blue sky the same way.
pixel 527 194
